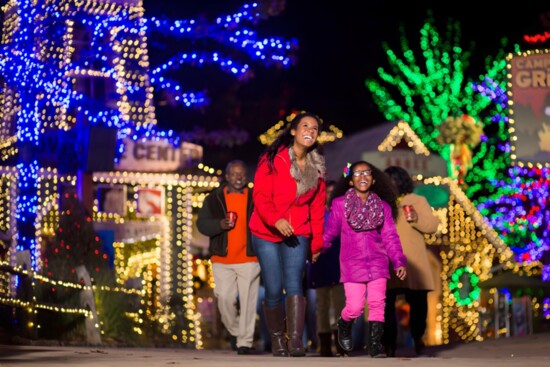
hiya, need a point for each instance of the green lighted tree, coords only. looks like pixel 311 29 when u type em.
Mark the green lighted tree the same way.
pixel 424 91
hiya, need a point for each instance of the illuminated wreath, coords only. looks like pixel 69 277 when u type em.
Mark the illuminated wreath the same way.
pixel 456 285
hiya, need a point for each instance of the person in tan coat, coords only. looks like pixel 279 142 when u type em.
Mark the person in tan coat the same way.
pixel 415 219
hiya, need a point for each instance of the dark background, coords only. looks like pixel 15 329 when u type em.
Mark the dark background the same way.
pixel 340 45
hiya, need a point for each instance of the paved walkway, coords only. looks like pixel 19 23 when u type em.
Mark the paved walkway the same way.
pixel 528 351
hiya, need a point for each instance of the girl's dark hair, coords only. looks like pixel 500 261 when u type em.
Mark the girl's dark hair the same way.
pixel 402 179
pixel 285 138
pixel 383 186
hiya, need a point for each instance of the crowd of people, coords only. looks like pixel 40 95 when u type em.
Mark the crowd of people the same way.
pixel 347 249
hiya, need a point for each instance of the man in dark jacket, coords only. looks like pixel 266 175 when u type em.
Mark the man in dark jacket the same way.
pixel 234 265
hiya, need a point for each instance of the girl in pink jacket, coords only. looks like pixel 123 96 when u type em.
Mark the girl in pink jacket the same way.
pixel 364 217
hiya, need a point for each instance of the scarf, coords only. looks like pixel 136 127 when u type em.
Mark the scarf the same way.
pixel 313 170
pixel 363 217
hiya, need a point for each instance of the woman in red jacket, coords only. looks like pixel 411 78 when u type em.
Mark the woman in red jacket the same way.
pixel 287 224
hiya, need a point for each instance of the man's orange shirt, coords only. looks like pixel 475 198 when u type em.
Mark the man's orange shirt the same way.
pixel 236 237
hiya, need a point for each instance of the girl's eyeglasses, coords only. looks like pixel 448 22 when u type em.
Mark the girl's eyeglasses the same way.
pixel 362 173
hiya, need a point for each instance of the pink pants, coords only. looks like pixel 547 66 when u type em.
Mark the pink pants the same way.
pixel 375 293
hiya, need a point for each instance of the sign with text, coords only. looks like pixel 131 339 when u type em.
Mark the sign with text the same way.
pixel 529 94
pixel 158 156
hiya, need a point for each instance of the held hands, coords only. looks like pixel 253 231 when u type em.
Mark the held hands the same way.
pixel 227 224
pixel 314 257
pixel 284 227
pixel 401 272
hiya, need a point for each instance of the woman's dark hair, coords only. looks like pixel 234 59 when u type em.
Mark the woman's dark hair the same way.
pixel 383 186
pixel 401 178
pixel 285 138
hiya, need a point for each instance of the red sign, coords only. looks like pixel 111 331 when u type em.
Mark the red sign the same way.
pixel 150 201
pixel 530 108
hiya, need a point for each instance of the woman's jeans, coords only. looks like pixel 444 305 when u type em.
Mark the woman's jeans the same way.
pixel 282 264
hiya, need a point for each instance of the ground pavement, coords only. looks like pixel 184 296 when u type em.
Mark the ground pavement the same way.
pixel 526 351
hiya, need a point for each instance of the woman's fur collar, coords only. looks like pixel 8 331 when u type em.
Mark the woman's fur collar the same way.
pixel 314 169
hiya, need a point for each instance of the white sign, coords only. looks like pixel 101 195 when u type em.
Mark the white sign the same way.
pixel 158 156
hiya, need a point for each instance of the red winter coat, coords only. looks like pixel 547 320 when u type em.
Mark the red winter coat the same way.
pixel 275 198
pixel 364 255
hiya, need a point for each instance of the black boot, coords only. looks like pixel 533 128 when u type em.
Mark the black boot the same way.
pixel 344 334
pixel 419 346
pixel 325 344
pixel 295 320
pixel 375 347
pixel 276 325
pixel 339 351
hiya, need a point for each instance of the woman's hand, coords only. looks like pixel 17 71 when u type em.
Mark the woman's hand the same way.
pixel 401 272
pixel 284 227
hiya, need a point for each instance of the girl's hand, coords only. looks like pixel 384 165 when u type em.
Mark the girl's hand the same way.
pixel 284 227
pixel 314 257
pixel 401 272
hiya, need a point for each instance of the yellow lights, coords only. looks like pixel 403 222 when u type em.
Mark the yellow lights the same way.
pixel 403 131
pixel 210 170
pixel 161 258
pixel 166 269
pixel 464 239
pixel 271 134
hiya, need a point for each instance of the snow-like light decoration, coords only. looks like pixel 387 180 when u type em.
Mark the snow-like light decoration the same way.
pixel 65 64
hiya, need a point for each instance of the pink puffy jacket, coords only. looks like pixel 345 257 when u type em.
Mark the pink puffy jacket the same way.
pixel 364 255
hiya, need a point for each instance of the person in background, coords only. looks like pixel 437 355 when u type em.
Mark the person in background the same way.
pixel 235 267
pixel 262 325
pixel 324 277
pixel 363 217
pixel 310 328
pixel 419 219
pixel 287 225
